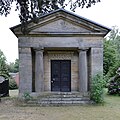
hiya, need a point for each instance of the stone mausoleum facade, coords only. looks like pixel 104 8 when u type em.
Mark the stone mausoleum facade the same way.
pixel 60 53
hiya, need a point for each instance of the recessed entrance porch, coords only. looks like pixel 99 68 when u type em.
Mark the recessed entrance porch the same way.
pixel 61 70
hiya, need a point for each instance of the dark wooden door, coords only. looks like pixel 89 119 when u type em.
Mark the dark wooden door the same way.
pixel 61 75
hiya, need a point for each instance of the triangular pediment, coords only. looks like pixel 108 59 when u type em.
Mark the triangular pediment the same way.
pixel 60 26
pixel 62 21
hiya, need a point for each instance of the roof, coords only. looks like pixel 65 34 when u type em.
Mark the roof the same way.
pixel 107 29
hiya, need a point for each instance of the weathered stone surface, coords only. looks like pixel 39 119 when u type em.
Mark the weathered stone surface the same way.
pixel 64 42
pixel 83 70
pixel 39 71
pixel 61 99
pixel 25 70
pixel 61 55
pixel 96 61
pixel 61 34
pixel 59 26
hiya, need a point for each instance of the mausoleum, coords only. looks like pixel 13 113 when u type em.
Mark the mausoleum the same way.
pixel 60 53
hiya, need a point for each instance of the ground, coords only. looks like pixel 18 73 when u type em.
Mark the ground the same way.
pixel 109 111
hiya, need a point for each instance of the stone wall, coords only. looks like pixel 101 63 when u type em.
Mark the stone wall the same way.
pixel 58 48
pixel 25 70
pixel 61 55
pixel 64 42
pixel 96 61
pixel 59 35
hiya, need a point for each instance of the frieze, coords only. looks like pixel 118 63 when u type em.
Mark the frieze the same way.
pixel 60 55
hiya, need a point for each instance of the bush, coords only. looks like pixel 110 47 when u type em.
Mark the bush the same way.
pixel 98 83
pixel 12 84
pixel 113 69
pixel 26 96
pixel 114 85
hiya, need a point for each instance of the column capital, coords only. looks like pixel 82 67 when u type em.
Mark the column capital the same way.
pixel 39 48
pixel 82 49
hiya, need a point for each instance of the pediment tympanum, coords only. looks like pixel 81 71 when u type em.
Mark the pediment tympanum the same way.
pixel 60 25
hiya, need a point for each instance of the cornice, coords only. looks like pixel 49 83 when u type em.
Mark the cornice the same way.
pixel 55 34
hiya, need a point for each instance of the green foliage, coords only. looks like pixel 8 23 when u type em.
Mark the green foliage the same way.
pixel 111 61
pixel 14 67
pixel 97 85
pixel 31 9
pixel 5 72
pixel 12 84
pixel 113 69
pixel 3 66
pixel 109 57
pixel 26 96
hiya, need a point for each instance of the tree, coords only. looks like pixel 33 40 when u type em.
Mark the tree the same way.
pixel 109 57
pixel 32 9
pixel 13 67
pixel 111 61
pixel 16 66
pixel 3 66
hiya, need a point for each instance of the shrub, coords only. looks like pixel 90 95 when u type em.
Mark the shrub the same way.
pixel 97 85
pixel 12 84
pixel 26 96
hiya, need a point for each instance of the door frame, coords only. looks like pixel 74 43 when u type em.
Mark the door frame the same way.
pixel 60 75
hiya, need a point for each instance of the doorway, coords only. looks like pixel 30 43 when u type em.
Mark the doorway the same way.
pixel 61 75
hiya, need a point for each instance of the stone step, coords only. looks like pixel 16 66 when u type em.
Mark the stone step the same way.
pixel 62 98
pixel 63 95
pixel 59 102
pixel 62 102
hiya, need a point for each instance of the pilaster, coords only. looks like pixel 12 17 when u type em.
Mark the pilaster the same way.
pixel 25 70
pixel 96 61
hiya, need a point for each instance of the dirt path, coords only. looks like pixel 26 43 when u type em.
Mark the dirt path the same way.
pixel 10 111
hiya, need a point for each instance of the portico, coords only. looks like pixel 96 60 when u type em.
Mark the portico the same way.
pixel 61 53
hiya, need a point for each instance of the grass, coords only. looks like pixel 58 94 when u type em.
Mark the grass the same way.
pixel 109 111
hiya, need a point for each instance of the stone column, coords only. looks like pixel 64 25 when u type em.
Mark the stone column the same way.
pixel 39 71
pixel 83 70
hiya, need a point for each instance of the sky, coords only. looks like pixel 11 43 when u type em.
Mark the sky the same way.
pixel 105 13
